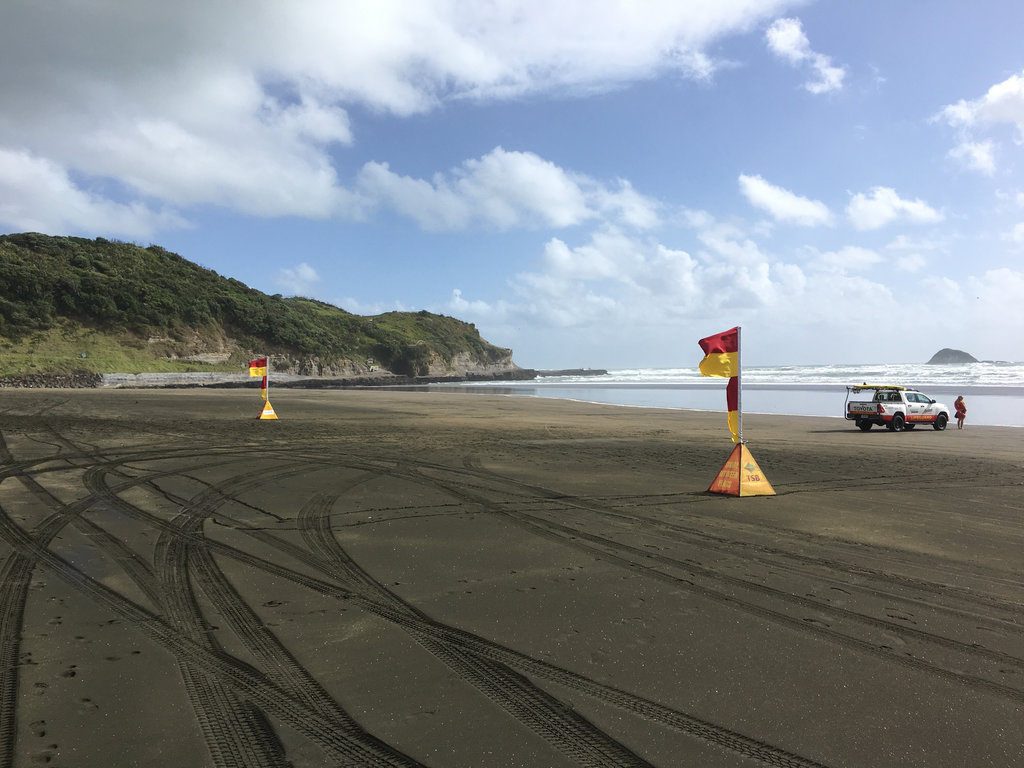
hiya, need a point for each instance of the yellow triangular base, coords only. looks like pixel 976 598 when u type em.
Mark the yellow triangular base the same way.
pixel 268 411
pixel 740 476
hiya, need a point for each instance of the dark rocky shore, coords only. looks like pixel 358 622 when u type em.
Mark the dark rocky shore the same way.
pixel 86 380
pixel 76 380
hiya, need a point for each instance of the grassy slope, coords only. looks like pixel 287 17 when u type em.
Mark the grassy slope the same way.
pixel 130 309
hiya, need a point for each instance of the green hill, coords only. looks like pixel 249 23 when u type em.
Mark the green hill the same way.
pixel 73 304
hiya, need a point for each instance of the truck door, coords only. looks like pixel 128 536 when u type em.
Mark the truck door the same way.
pixel 915 407
pixel 931 410
pixel 920 406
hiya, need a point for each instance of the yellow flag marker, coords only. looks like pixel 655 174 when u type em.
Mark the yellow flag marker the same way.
pixel 740 476
pixel 268 411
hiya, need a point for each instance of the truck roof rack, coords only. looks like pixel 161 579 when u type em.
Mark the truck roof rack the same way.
pixel 859 387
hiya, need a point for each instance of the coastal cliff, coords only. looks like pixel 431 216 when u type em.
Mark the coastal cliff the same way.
pixel 73 308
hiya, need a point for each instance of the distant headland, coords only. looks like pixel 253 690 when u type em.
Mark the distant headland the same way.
pixel 84 313
pixel 949 356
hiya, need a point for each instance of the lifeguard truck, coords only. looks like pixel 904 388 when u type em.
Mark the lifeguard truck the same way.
pixel 895 408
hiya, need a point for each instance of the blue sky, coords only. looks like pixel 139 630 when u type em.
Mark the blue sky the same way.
pixel 592 183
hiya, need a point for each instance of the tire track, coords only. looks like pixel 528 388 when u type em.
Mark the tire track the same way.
pixel 430 631
pixel 720 543
pixel 243 679
pixel 743 548
pixel 225 743
pixel 802 564
pixel 637 559
pixel 277 663
pixel 554 721
pixel 778 559
pixel 236 736
pixel 16 574
pixel 443 639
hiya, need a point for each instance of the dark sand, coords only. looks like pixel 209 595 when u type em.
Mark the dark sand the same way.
pixel 395 578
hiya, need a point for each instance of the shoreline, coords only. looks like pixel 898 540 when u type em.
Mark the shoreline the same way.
pixel 988 405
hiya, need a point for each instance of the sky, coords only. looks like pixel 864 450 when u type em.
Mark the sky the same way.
pixel 593 183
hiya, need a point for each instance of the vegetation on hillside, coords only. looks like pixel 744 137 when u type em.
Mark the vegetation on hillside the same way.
pixel 61 294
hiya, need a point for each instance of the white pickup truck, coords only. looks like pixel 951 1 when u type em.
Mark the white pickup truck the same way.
pixel 896 408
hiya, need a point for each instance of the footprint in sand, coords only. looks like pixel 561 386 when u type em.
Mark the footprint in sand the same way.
pixel 45 756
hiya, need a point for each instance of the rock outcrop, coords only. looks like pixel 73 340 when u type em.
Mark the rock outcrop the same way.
pixel 76 380
pixel 949 356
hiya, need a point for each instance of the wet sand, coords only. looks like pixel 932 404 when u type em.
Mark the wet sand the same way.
pixel 408 578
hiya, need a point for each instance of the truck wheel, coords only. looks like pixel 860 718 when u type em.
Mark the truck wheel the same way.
pixel 940 423
pixel 864 425
pixel 898 422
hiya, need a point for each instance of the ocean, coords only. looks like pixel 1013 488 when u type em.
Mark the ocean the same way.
pixel 994 392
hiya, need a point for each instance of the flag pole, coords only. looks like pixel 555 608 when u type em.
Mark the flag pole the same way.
pixel 739 383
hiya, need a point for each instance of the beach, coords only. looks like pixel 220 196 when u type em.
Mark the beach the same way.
pixel 392 578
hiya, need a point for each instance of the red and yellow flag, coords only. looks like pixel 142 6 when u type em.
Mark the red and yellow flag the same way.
pixel 732 402
pixel 722 358
pixel 721 354
pixel 258 367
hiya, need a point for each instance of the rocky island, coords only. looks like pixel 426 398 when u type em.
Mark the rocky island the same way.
pixel 949 356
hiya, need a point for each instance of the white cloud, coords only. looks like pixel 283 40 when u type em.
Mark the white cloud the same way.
pixel 786 39
pixel 504 189
pixel 848 259
pixel 908 252
pixel 460 307
pixel 369 308
pixel 883 206
pixel 615 281
pixel 300 280
pixel 783 204
pixel 435 207
pixel 38 195
pixel 614 298
pixel 241 105
pixel 912 262
pixel 609 256
pixel 1003 103
pixel 508 185
pixel 628 205
pixel 976 156
pixel 904 243
pixel 727 244
pixel 993 298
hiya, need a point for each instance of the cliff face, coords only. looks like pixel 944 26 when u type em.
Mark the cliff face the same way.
pixel 949 356
pixel 462 364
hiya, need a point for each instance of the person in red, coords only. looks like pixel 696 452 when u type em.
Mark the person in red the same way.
pixel 961 411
